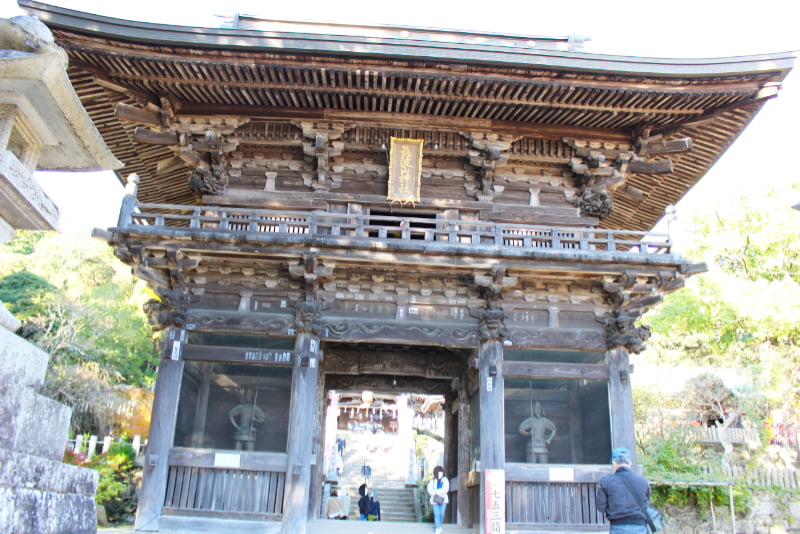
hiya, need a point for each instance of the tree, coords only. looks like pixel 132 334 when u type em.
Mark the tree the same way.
pixel 745 311
pixel 83 307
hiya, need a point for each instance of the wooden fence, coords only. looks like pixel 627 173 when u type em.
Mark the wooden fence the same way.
pixel 93 446
pixel 768 477
pixel 552 503
pixel 225 492
pixel 261 224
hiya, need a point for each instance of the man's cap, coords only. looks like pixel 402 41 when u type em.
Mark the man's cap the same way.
pixel 621 453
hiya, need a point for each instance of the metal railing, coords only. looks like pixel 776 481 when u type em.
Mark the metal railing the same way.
pixel 263 223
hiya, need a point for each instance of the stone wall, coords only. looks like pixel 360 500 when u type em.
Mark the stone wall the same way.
pixel 770 513
pixel 38 493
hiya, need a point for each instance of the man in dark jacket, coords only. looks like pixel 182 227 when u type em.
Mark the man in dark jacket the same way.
pixel 363 502
pixel 624 511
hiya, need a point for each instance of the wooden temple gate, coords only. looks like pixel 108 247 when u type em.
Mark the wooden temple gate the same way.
pixel 322 211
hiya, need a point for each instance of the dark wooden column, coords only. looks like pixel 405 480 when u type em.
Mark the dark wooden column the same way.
pixel 464 460
pixel 162 432
pixel 492 412
pixel 490 373
pixel 302 428
pixel 201 405
pixel 621 400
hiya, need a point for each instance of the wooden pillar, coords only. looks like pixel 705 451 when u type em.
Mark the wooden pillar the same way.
pixel 201 406
pixel 621 401
pixel 162 432
pixel 492 412
pixel 302 429
pixel 464 460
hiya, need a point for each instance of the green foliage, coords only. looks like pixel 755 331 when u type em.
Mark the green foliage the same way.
pixel 85 309
pixel 116 487
pixel 750 296
pixel 677 465
pixel 745 311
pixel 24 293
pixel 86 305
pixel 23 243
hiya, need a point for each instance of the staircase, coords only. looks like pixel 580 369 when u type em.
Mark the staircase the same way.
pixel 322 526
pixel 389 463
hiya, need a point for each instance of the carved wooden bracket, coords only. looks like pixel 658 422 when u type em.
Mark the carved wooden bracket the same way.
pixel 322 145
pixel 491 284
pixel 171 310
pixel 601 169
pixel 631 294
pixel 308 318
pixel 202 182
pixel 313 273
pixel 489 152
pixel 492 323
pixel 492 317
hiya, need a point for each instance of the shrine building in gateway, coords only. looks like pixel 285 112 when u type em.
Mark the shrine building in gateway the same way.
pixel 335 208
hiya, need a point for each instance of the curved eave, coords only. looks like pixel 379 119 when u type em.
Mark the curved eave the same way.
pixel 406 48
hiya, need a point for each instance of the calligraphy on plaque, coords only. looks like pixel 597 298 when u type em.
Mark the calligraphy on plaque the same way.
pixel 405 170
pixel 495 502
pixel 238 354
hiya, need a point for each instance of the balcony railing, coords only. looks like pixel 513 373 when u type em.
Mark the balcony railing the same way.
pixel 263 223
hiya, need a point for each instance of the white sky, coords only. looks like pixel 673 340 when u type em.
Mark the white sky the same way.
pixel 703 28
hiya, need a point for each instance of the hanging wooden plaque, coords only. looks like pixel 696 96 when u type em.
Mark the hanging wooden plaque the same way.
pixel 405 170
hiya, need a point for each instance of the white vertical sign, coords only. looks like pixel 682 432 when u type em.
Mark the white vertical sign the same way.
pixel 495 505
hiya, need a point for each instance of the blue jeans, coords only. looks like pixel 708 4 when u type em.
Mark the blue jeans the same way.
pixel 438 514
pixel 628 529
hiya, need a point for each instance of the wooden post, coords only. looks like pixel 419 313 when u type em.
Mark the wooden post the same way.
pixel 301 434
pixel 492 418
pixel 201 406
pixel 162 431
pixel 621 401
pixel 463 461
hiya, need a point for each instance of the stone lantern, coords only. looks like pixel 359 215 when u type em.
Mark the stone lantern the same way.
pixel 43 126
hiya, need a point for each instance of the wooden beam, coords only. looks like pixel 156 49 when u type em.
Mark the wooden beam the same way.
pixel 239 354
pixel 150 137
pixel 130 113
pixel 652 167
pixel 406 120
pixel 657 145
pixel 555 370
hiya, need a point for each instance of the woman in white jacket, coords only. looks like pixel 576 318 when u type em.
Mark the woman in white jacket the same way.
pixel 438 487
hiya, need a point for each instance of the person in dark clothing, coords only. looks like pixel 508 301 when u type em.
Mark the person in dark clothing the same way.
pixel 624 512
pixel 363 503
pixel 374 507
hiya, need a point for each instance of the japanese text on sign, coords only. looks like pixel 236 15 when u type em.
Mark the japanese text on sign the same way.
pixel 495 505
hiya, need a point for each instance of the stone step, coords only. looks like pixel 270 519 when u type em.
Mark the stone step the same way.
pixel 32 423
pixel 380 527
pixel 21 362
pixel 23 470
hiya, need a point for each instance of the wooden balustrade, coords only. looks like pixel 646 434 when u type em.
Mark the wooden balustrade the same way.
pixel 253 490
pixel 254 223
pixel 228 492
pixel 552 503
